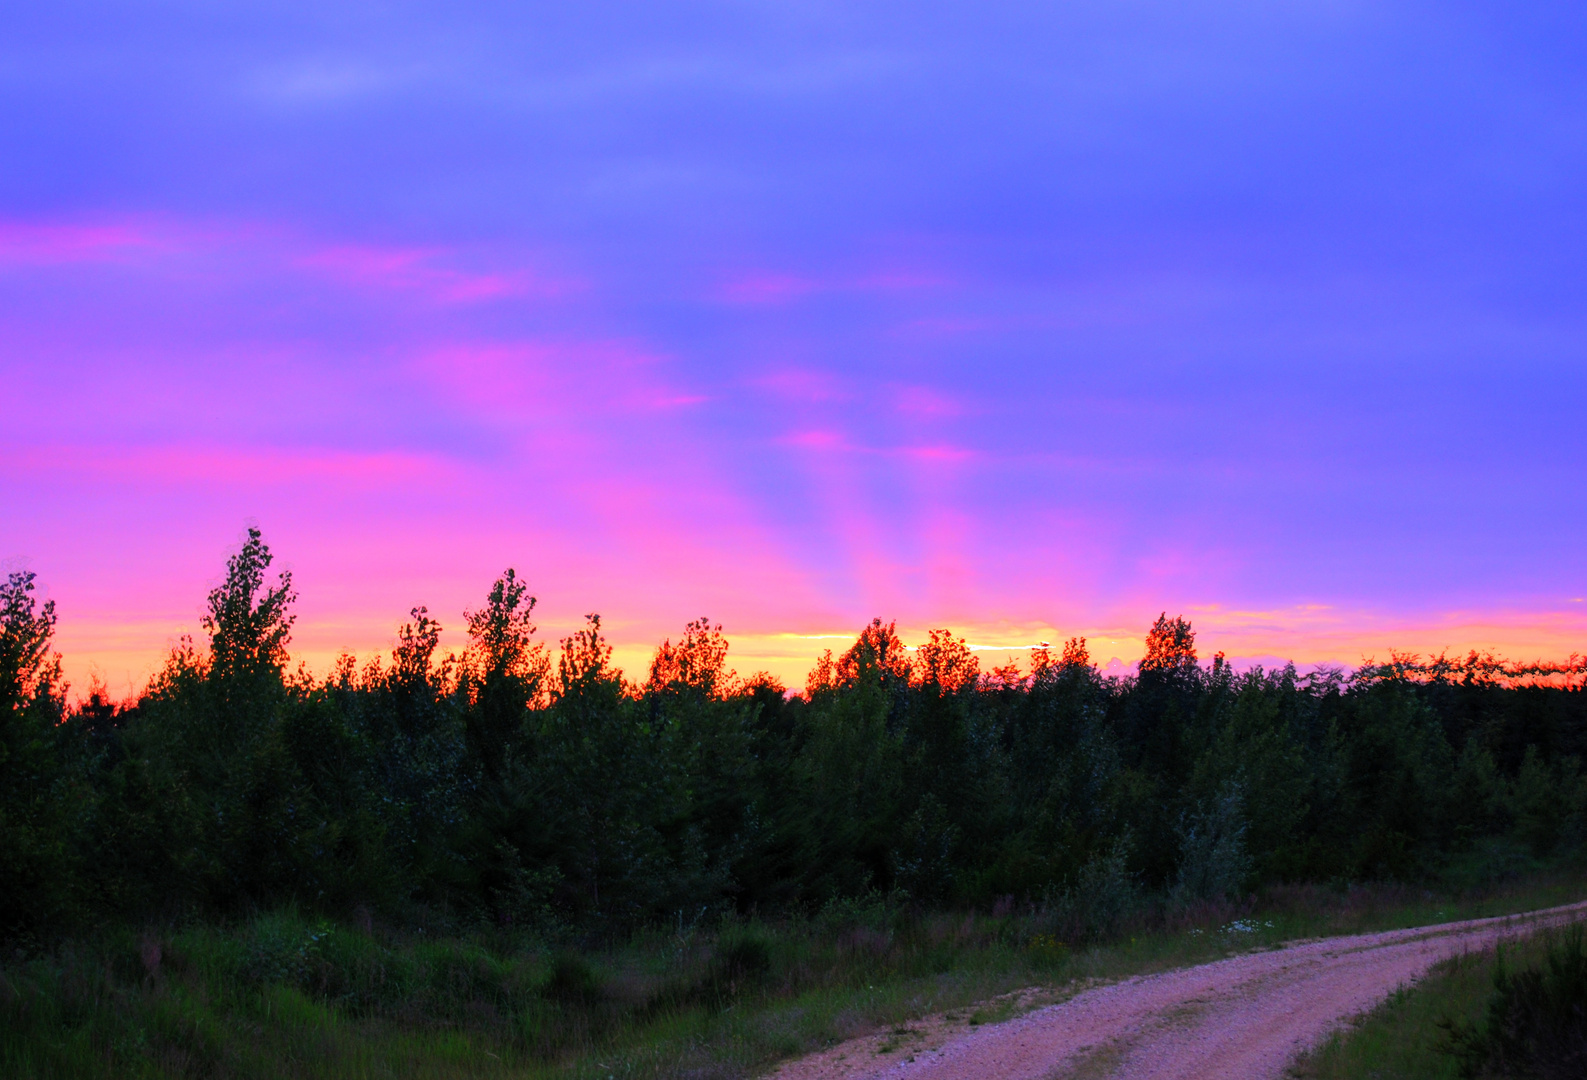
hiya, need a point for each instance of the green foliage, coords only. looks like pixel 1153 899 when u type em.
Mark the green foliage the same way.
pixel 1102 897
pixel 296 994
pixel 1213 864
pixel 541 792
pixel 36 793
pixel 1546 801
pixel 249 625
pixel 207 744
pixel 503 673
pixel 1536 1022
pixel 573 982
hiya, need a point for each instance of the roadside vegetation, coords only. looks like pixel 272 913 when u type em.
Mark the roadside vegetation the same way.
pixel 1518 1010
pixel 284 994
pixel 515 859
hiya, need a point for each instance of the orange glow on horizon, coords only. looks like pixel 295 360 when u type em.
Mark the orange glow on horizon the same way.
pixel 123 655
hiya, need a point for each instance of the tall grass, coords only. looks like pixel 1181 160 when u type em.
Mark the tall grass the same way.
pixel 284 995
pixel 1516 1010
pixel 1535 1024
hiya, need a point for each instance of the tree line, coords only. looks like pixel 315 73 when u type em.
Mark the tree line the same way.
pixel 521 784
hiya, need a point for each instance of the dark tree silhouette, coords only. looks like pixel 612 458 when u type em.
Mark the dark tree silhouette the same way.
pixel 500 785
pixel 248 624
pixel 697 663
pixel 1170 647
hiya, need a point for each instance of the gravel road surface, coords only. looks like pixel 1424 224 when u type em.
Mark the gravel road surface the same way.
pixel 1243 1018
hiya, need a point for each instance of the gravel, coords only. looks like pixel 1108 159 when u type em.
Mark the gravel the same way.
pixel 1243 1018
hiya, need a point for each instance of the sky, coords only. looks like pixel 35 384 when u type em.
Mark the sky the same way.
pixel 1026 320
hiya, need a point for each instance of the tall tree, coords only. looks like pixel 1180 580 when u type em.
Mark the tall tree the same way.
pixel 34 840
pixel 504 673
pixel 249 624
pixel 1170 647
pixel 697 663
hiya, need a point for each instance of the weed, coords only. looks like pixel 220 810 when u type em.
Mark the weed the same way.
pixel 573 982
pixel 1536 1022
pixel 1472 1016
pixel 284 996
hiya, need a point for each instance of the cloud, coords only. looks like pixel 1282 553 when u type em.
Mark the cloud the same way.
pixel 939 454
pixel 805 386
pixel 27 242
pixel 219 464
pixel 241 249
pixel 765 288
pixel 818 440
pixel 424 272
pixel 330 80
pixel 924 402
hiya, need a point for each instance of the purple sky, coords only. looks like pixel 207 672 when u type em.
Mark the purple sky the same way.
pixel 1028 320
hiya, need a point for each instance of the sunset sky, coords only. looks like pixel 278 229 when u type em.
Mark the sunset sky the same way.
pixel 1027 320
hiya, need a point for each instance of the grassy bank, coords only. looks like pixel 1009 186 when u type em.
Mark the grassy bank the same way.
pixel 1403 1037
pixel 282 995
pixel 1411 1035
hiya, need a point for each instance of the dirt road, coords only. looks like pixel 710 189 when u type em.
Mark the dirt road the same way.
pixel 1242 1018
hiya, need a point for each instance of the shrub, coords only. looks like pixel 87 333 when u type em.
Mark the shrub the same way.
pixel 1213 860
pixel 743 956
pixel 573 982
pixel 1103 896
pixel 1536 1023
pixel 741 960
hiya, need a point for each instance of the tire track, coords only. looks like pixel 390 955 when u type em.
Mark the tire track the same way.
pixel 1242 1018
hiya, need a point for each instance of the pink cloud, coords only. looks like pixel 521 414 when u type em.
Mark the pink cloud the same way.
pixel 568 379
pixel 767 289
pixel 676 401
pixel 818 440
pixel 804 386
pixel 945 327
pixel 24 242
pixel 924 402
pixel 941 453
pixel 827 440
pixel 209 464
pixel 493 377
pixel 433 273
pixel 901 281
pixel 781 288
pixel 419 270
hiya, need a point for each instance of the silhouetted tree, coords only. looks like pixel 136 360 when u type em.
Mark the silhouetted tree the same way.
pixel 249 625
pixel 500 785
pixel 1170 648
pixel 504 672
pixel 35 845
pixel 697 664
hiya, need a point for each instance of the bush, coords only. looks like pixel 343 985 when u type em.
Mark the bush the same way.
pixel 281 949
pixel 1536 1024
pixel 1102 898
pixel 1213 861
pixel 573 982
pixel 871 910
pixel 741 960
pixel 743 956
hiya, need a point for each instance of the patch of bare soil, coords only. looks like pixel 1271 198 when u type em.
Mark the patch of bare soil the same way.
pixel 1243 1018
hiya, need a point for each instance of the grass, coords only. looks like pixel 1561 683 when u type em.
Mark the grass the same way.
pixel 1409 1036
pixel 1401 1038
pixel 285 996
pixel 1406 1037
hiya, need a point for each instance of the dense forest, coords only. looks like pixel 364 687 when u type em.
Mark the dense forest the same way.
pixel 520 785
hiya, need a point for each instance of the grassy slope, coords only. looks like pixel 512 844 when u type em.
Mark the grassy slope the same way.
pixel 1401 1039
pixel 279 996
